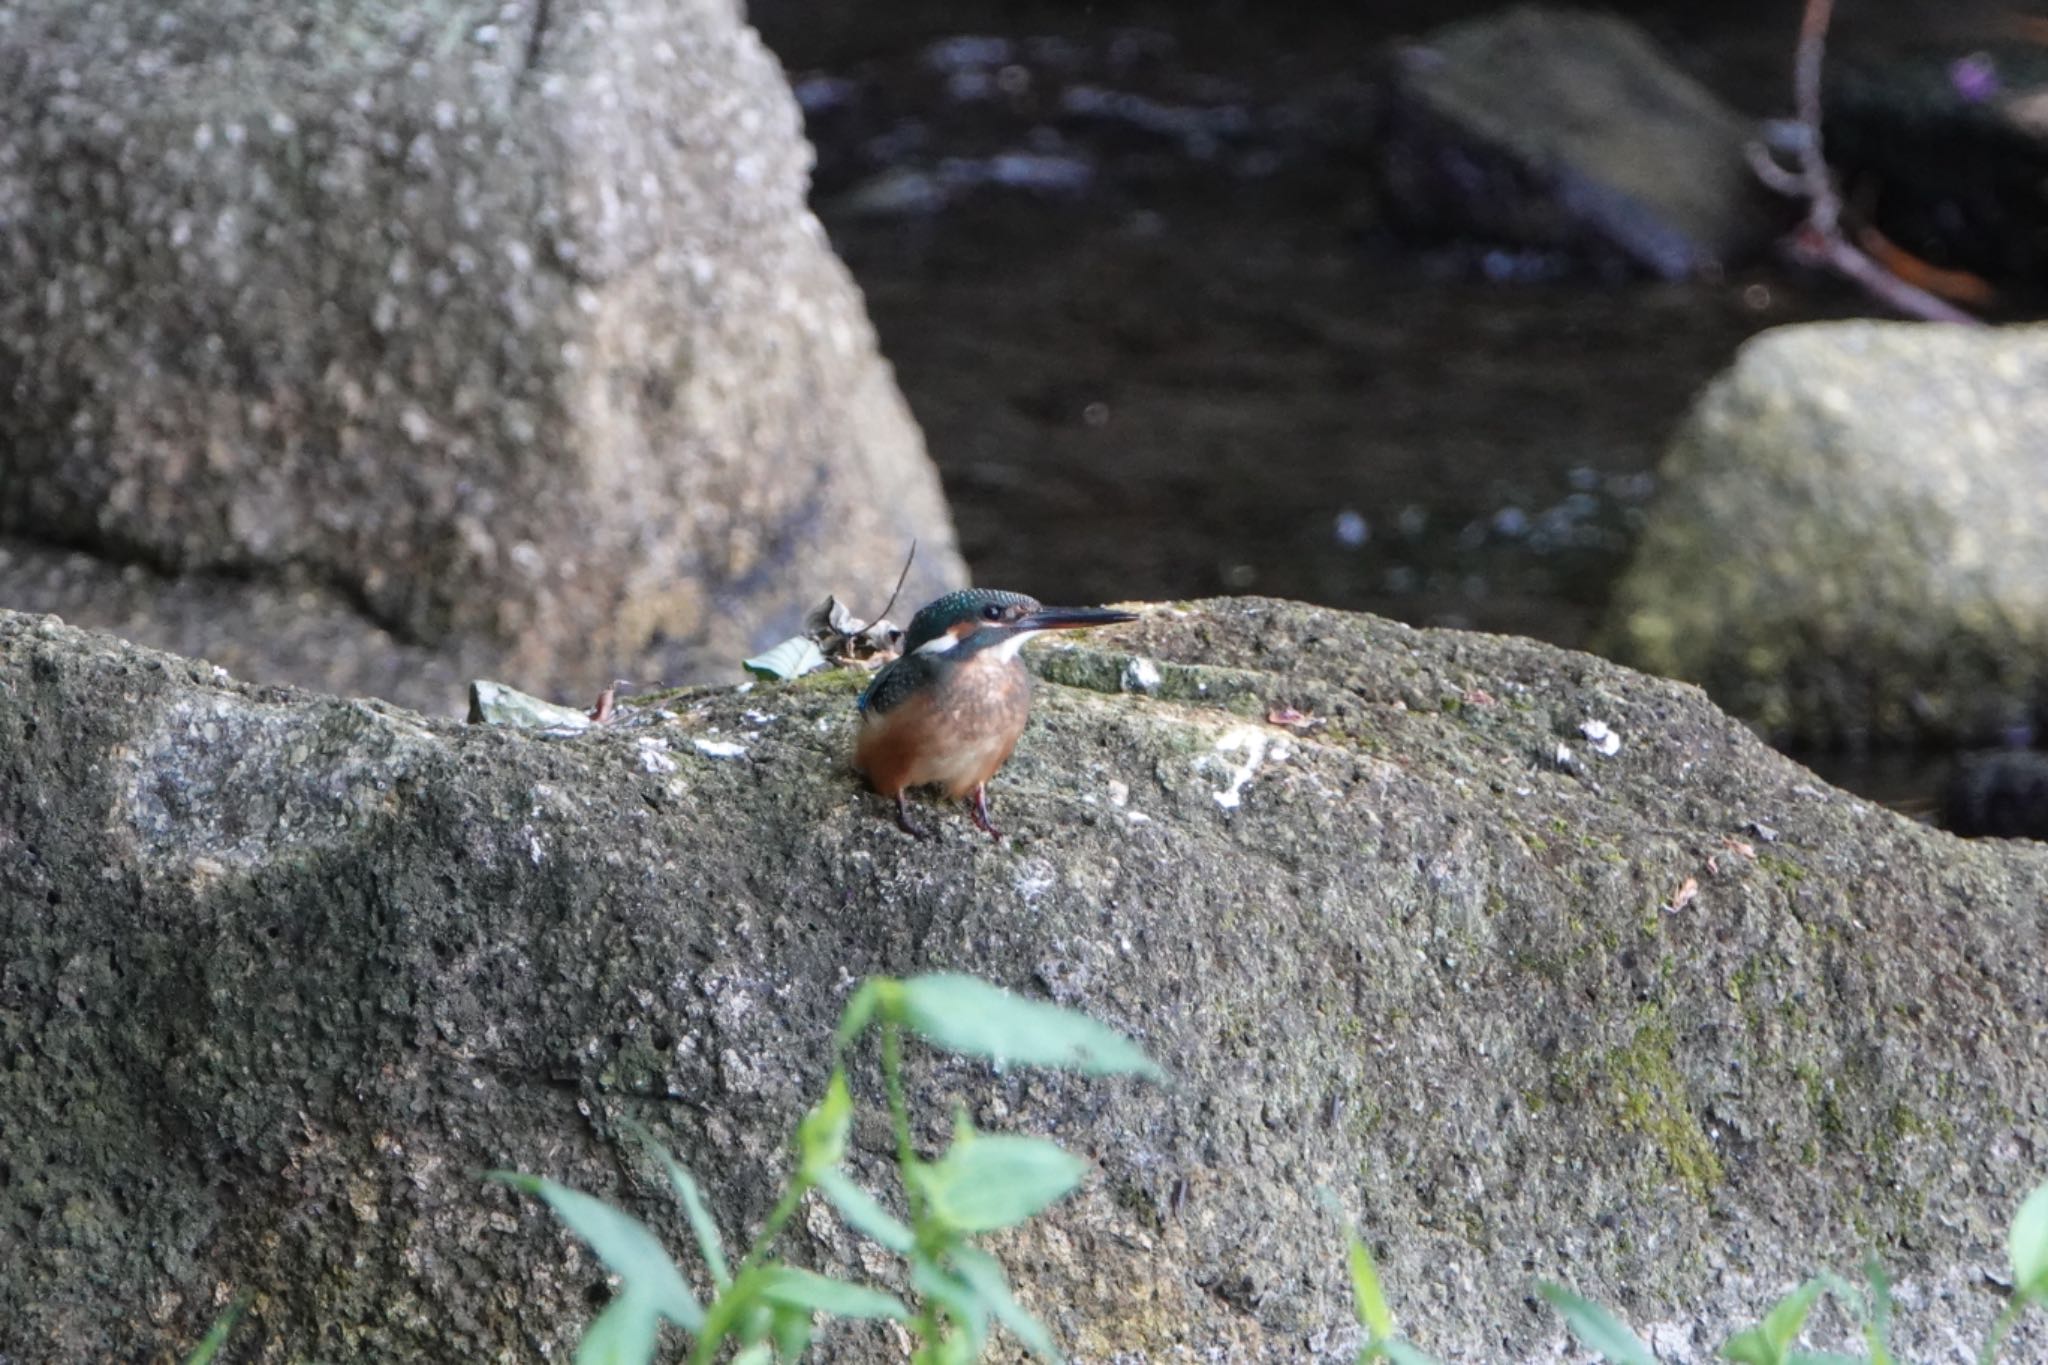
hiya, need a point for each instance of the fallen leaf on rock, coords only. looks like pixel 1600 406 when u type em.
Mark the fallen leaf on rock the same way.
pixel 792 658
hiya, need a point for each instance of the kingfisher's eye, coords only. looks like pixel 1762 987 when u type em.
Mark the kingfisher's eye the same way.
pixel 991 612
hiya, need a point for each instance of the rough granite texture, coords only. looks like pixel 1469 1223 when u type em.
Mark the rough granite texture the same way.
pixel 494 333
pixel 283 972
pixel 1851 538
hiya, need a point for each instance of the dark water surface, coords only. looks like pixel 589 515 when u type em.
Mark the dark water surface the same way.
pixel 1130 267
pixel 1128 263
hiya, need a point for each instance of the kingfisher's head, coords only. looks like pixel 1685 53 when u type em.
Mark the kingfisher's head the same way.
pixel 962 624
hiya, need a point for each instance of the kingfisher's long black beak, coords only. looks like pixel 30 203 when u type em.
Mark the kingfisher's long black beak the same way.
pixel 1072 618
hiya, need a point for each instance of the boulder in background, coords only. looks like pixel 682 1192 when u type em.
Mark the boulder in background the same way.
pixel 1850 543
pixel 485 337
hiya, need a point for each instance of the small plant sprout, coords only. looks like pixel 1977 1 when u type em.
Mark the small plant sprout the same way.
pixel 1597 1329
pixel 764 1310
pixel 1774 1341
pixel 2028 1244
pixel 1369 1302
pixel 217 1336
pixel 1770 1341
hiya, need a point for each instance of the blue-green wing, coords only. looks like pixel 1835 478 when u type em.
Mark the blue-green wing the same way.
pixel 897 680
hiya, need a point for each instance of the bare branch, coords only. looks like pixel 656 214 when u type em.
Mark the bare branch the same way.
pixel 1819 240
pixel 1814 247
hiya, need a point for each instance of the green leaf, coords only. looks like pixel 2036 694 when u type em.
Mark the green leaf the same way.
pixel 965 1015
pixel 760 1353
pixel 984 1275
pixel 860 1008
pixel 821 1136
pixel 1823 1358
pixel 2029 1245
pixel 1368 1300
pixel 961 1304
pixel 623 1334
pixel 756 1316
pixel 996 1182
pixel 622 1242
pixel 702 1226
pixel 864 1213
pixel 217 1335
pixel 792 1332
pixel 790 1287
pixel 793 658
pixel 1597 1329
pixel 1767 1343
pixel 1783 1323
pixel 1874 1310
pixel 952 1348
pixel 1752 1346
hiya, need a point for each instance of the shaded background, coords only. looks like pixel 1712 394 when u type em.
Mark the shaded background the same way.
pixel 1182 352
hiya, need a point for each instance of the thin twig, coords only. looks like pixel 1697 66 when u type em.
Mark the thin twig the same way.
pixel 901 579
pixel 1813 247
pixel 1778 180
pixel 1819 241
pixel 1826 211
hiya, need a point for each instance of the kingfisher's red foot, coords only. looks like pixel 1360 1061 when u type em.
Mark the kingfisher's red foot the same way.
pixel 981 819
pixel 910 826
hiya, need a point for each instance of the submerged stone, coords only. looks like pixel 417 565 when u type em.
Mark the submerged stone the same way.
pixel 1568 131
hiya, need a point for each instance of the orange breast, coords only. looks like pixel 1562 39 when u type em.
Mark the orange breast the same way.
pixel 955 735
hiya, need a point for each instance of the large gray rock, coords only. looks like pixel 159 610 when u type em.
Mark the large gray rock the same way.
pixel 1568 130
pixel 494 331
pixel 283 972
pixel 1851 538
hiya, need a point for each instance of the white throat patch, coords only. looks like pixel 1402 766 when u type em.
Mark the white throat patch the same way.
pixel 938 644
pixel 1007 650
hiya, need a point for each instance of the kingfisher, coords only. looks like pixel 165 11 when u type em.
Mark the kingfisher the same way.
pixel 947 711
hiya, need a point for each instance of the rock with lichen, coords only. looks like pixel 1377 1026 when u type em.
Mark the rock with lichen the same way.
pixel 1850 543
pixel 374 346
pixel 1667 1020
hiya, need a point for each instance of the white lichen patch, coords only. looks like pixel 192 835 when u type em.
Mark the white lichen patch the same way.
pixel 218 785
pixel 1141 675
pixel 719 748
pixel 1034 877
pixel 1245 741
pixel 654 756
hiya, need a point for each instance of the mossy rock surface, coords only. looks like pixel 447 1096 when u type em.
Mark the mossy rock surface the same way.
pixel 284 972
pixel 1851 539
